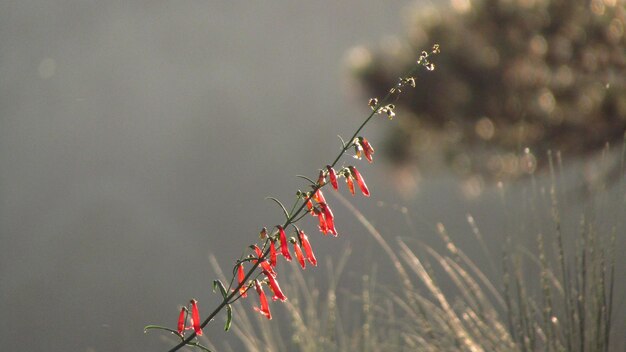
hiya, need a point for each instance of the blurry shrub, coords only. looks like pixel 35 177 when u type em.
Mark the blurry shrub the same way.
pixel 515 78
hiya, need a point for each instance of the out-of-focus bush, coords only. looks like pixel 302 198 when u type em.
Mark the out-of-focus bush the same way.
pixel 515 79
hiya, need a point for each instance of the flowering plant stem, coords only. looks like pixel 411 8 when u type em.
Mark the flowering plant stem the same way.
pixel 232 294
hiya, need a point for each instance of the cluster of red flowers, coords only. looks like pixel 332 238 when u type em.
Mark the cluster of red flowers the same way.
pixel 317 206
pixel 265 258
pixel 183 317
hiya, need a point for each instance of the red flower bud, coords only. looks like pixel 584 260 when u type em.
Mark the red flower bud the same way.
pixel 319 196
pixel 306 245
pixel 309 206
pixel 360 181
pixel 367 148
pixel 284 249
pixel 332 175
pixel 258 251
pixel 181 320
pixel 320 216
pixel 321 179
pixel 329 217
pixel 350 183
pixel 195 317
pixel 272 253
pixel 299 254
pixel 278 293
pixel 241 275
pixel 265 307
pixel 357 150
pixel 264 264
pixel 263 233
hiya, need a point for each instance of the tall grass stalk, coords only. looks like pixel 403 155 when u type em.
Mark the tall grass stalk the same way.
pixel 551 300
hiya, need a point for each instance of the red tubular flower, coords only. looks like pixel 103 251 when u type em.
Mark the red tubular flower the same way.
pixel 360 181
pixel 264 264
pixel 267 267
pixel 278 293
pixel 306 245
pixel 299 254
pixel 195 317
pixel 367 148
pixel 350 183
pixel 309 206
pixel 181 320
pixel 319 196
pixel 329 217
pixel 284 249
pixel 332 175
pixel 241 275
pixel 320 216
pixel 272 253
pixel 265 307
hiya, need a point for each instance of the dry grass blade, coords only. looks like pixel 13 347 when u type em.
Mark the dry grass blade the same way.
pixel 415 264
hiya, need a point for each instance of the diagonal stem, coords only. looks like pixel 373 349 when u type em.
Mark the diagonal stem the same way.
pixel 290 219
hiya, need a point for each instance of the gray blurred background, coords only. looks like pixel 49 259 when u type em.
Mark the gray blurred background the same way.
pixel 137 137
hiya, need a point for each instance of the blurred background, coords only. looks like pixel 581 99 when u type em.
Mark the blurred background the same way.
pixel 138 137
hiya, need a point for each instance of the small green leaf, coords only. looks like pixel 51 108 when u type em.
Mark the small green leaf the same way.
pixel 280 205
pixel 229 317
pixel 343 143
pixel 306 178
pixel 157 327
pixel 195 344
pixel 218 283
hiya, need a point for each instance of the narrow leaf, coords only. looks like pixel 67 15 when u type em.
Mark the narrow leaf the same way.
pixel 218 283
pixel 195 344
pixel 306 178
pixel 281 206
pixel 343 143
pixel 158 327
pixel 229 317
